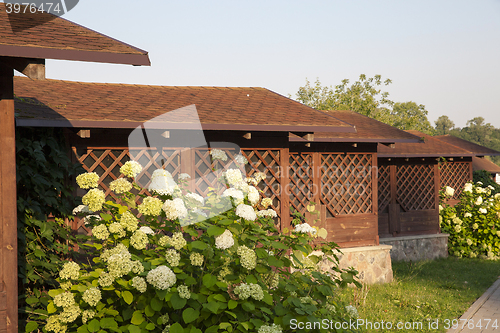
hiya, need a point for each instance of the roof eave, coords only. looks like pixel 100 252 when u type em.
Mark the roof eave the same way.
pixel 423 155
pixel 381 140
pixel 77 55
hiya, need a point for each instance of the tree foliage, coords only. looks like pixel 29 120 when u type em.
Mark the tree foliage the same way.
pixel 443 125
pixel 366 97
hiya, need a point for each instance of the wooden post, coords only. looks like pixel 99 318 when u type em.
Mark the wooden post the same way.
pixel 374 171
pixel 437 186
pixel 316 173
pixel 8 205
pixel 188 166
pixel 394 224
pixel 285 188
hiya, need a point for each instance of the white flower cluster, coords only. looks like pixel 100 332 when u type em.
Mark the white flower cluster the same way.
pixel 246 212
pixel 235 194
pixel 224 241
pixel 245 291
pixel 304 228
pixel 218 154
pixel 87 314
pixel 240 159
pixel 82 209
pixel 139 283
pixel 92 296
pixel 87 180
pixel 120 185
pixel 139 240
pixel 117 228
pixel 173 257
pixel 468 187
pixel 147 230
pixel 175 209
pixel 64 300
pixel 266 202
pixel 449 192
pixel 131 169
pixel 162 182
pixel 183 176
pixel 128 221
pixel 100 232
pixel 70 271
pixel 177 241
pixel 233 176
pixel 91 218
pixel 196 259
pixel 253 195
pixel 483 210
pixel 161 277
pixel 184 292
pixel 248 259
pixel 94 199
pixel 150 206
pixel 196 198
pixel 270 329
pixel 267 213
pixel 352 311
pixel 478 201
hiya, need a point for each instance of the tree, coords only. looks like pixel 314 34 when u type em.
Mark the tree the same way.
pixel 444 125
pixel 363 96
pixel 410 116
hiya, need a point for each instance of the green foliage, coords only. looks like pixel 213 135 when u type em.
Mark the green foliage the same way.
pixel 43 167
pixel 443 125
pixel 484 177
pixel 473 223
pixel 364 96
pixel 246 273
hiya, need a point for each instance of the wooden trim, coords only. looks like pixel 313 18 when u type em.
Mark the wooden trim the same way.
pixel 393 182
pixel 316 173
pixel 285 187
pixel 437 183
pixel 8 203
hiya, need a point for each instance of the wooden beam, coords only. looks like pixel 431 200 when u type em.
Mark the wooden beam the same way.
pixel 305 135
pixel 247 136
pixel 8 204
pixel 32 68
pixel 83 134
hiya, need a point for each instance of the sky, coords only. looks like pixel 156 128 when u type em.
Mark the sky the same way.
pixel 443 54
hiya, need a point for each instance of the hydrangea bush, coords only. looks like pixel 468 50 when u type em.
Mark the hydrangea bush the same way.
pixel 179 262
pixel 473 223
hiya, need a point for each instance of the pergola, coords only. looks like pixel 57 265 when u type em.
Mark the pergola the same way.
pixel 26 40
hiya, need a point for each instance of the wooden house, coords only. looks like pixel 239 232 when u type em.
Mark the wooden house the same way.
pixel 26 40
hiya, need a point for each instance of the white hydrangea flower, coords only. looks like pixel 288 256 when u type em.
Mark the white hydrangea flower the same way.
pixel 270 329
pixel 139 240
pixel 237 195
pixel 449 192
pixel 147 230
pixel 218 154
pixel 304 228
pixel 131 169
pixel 100 232
pixel 91 218
pixel 92 296
pixel 267 213
pixel 175 209
pixel 224 241
pixel 245 291
pixel 352 311
pixel 266 202
pixel 467 214
pixel 139 283
pixel 162 182
pixel 248 258
pixel 117 228
pixel 233 176
pixel 120 185
pixel 183 176
pixel 483 210
pixel 468 187
pixel 196 197
pixel 246 212
pixel 82 209
pixel 253 195
pixel 88 180
pixel 161 277
pixel 479 201
pixel 240 159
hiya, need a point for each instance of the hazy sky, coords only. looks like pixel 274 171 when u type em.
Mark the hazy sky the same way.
pixel 443 54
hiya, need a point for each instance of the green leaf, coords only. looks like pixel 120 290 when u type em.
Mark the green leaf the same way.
pixel 94 325
pixel 134 329
pixel 108 323
pixel 215 231
pixel 106 217
pixel 209 280
pixel 199 245
pixel 156 304
pixel 31 326
pixel 277 245
pixel 219 297
pixel 212 306
pixel 177 301
pixel 224 326
pixel 248 306
pixel 82 329
pixel 149 311
pixel 176 328
pixel 51 308
pixel 275 262
pixel 32 300
pixel 127 297
pixel 137 318
pixel 232 304
pixel 150 326
pixel 190 315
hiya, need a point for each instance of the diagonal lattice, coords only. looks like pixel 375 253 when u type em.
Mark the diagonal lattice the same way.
pixel 455 175
pixel 346 183
pixel 415 187
pixel 301 180
pixel 384 187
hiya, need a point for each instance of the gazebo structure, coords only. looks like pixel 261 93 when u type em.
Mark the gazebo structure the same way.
pixel 26 40
pixel 410 177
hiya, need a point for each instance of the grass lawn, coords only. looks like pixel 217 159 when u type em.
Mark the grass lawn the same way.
pixel 422 291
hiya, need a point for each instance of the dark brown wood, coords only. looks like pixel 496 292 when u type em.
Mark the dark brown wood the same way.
pixel 352 228
pixel 31 67
pixel 394 215
pixel 393 181
pixel 437 183
pixel 8 210
pixel 374 170
pixel 316 172
pixel 285 188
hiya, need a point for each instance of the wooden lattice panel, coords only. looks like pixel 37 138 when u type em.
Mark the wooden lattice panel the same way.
pixel 455 175
pixel 268 162
pixel 346 183
pixel 415 187
pixel 301 180
pixel 384 187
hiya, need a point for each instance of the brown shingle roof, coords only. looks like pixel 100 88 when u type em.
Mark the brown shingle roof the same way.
pixel 55 103
pixel 480 163
pixel 45 36
pixel 367 130
pixel 464 144
pixel 429 147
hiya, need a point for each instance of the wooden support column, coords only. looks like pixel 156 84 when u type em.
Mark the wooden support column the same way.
pixel 8 205
pixel 188 166
pixel 437 186
pixel 394 223
pixel 374 174
pixel 285 188
pixel 316 173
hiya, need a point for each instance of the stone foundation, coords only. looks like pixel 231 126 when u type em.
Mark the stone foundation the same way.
pixel 372 262
pixel 415 248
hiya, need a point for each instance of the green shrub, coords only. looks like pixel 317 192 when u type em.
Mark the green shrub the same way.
pixel 178 262
pixel 484 177
pixel 473 223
